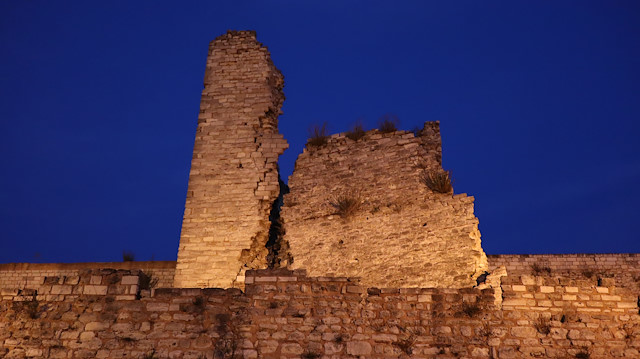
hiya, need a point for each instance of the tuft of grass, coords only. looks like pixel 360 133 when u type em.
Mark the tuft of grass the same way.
pixel 128 256
pixel 471 309
pixel 318 135
pixel 356 132
pixel 308 354
pixel 583 354
pixel 388 123
pixel 346 205
pixel 539 269
pixel 147 281
pixel 438 181
pixel 543 326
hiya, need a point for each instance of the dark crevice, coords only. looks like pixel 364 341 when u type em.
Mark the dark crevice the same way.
pixel 276 231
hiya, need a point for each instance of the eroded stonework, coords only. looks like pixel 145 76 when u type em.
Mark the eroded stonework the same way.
pixel 234 178
pixel 402 235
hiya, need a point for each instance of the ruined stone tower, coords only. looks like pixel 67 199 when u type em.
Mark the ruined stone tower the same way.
pixel 234 176
pixel 400 234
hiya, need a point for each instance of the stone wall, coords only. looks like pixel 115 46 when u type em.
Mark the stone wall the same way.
pixel 556 317
pixel 285 314
pixel 624 267
pixel 234 175
pixel 14 276
pixel 401 235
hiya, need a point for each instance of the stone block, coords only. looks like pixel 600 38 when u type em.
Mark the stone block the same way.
pixel 129 280
pixel 358 348
pixel 95 290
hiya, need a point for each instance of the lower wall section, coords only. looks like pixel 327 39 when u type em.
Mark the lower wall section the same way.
pixel 285 314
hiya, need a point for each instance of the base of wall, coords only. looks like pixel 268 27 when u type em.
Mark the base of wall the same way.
pixel 285 314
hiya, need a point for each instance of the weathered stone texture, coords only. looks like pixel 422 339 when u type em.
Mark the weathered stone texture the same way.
pixel 234 177
pixel 624 267
pixel 286 314
pixel 16 276
pixel 402 235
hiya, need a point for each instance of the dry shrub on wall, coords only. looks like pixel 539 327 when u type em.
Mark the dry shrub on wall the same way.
pixel 128 256
pixel 540 268
pixel 310 354
pixel 147 281
pixel 388 123
pixel 356 132
pixel 346 205
pixel 583 354
pixel 318 135
pixel 29 306
pixel 470 309
pixel 543 326
pixel 438 181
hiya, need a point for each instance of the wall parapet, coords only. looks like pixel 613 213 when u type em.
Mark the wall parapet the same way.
pixel 624 267
pixel 15 276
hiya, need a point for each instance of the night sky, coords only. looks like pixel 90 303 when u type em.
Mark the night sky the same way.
pixel 538 102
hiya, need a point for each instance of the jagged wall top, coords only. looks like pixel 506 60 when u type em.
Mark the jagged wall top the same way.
pixel 401 233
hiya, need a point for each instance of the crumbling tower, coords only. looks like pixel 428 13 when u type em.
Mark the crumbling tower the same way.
pixel 234 176
pixel 399 232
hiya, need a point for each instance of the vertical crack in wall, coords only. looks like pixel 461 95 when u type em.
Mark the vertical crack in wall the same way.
pixel 276 230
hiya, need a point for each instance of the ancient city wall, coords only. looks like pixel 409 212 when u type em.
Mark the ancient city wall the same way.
pixel 402 234
pixel 234 176
pixel 286 314
pixel 15 276
pixel 624 267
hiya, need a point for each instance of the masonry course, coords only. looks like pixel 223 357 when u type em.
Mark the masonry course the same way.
pixel 286 314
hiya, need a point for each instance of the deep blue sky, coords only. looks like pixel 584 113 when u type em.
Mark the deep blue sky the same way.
pixel 539 105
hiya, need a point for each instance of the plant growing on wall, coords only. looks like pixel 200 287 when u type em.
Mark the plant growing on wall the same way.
pixel 388 123
pixel 438 181
pixel 31 307
pixel 356 132
pixel 540 268
pixel 318 135
pixel 128 256
pixel 226 346
pixel 147 281
pixel 543 326
pixel 346 205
